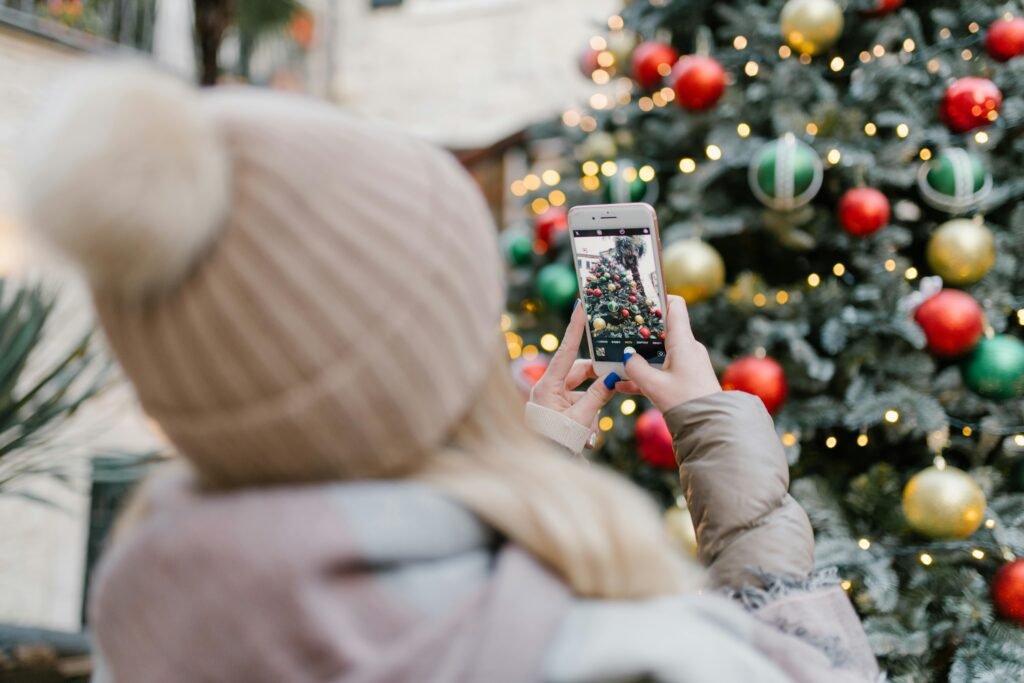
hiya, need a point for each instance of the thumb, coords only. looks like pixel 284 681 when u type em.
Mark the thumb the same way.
pixel 640 371
pixel 598 393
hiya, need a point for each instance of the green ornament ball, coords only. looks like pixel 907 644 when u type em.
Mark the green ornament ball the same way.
pixel 954 181
pixel 786 173
pixel 519 250
pixel 996 368
pixel 556 285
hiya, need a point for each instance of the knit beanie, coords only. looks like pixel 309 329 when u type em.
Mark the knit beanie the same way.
pixel 295 294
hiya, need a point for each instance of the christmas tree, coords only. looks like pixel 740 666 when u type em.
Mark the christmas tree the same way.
pixel 614 294
pixel 838 189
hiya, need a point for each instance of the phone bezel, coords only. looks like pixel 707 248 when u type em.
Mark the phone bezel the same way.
pixel 612 217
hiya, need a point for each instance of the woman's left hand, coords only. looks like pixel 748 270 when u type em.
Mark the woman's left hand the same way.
pixel 556 389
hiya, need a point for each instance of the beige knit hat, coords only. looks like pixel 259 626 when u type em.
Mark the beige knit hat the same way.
pixel 296 294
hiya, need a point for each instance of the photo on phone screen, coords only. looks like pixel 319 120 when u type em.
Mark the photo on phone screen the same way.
pixel 621 292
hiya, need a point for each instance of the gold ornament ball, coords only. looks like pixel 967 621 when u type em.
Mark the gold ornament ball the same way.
pixel 961 251
pixel 611 288
pixel 649 303
pixel 943 503
pixel 679 523
pixel 693 270
pixel 811 26
pixel 639 320
pixel 599 324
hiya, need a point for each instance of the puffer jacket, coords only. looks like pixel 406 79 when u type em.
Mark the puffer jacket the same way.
pixel 393 581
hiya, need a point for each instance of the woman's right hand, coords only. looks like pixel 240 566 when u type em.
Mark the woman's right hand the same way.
pixel 687 373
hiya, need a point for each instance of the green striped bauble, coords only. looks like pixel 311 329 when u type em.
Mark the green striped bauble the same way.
pixel 954 181
pixel 786 173
pixel 626 185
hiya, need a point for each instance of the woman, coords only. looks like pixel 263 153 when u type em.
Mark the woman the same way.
pixel 307 304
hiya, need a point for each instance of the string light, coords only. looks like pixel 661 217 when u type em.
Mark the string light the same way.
pixel 864 57
pixel 973 27
pixel 909 45
pixel 743 130
pixel 925 154
pixel 598 43
pixel 789 439
pixel 530 352
pixel 628 407
pixel 862 440
pixel 878 50
pixel 890 265
pixel 925 559
pixel 605 59
pixel 506 322
pixel 811 128
pixel 539 205
pixel 834 156
pixel 1020 316
pixel 588 124
pixel 550 177
pixel 838 270
pixel 1019 440
pixel 981 137
pixel 785 52
pixel 668 93
pixel 945 33
pixel 646 173
pixel 805 58
pixel 864 544
pixel 760 300
pixel 518 188
pixel 781 296
pixel 688 165
pixel 870 128
pixel 645 104
pixel 739 42
pixel 990 523
pixel 966 431
pixel 615 22
pixel 605 423
pixel 629 174
pixel 600 76
pixel 598 100
pixel 814 279
pixel 590 183
pixel 751 68
pixel 966 55
pixel 556 197
pixel 910 273
pixel 590 168
pixel 934 65
pixel 713 152
pixel 902 130
pixel 549 342
pixel 831 442
pixel 892 416
pixel 532 182
pixel 571 118
pixel 846 584
pixel 609 168
pixel 658 100
pixel 978 554
pixel 514 350
pixel 837 64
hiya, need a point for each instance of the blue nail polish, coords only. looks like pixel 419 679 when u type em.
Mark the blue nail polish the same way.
pixel 626 355
pixel 611 380
pixel 576 304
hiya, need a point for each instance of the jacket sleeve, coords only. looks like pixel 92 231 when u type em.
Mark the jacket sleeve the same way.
pixel 735 477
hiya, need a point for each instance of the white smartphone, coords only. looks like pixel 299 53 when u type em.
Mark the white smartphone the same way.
pixel 617 253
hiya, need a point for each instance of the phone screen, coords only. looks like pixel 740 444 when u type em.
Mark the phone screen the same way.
pixel 619 276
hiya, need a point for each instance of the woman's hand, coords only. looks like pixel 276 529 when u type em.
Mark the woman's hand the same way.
pixel 687 372
pixel 556 389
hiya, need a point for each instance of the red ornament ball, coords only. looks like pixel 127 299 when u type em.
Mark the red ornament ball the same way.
pixel 863 210
pixel 645 333
pixel 698 82
pixel 1008 591
pixel 883 7
pixel 952 322
pixel 652 61
pixel 625 312
pixel 653 440
pixel 970 103
pixel 547 224
pixel 762 377
pixel 1005 39
pixel 661 336
pixel 588 61
pixel 632 299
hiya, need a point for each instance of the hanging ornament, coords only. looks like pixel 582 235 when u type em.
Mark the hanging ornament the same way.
pixel 548 224
pixel 598 324
pixel 1005 39
pixel 1008 591
pixel 693 270
pixel 679 523
pixel 302 29
pixel 598 145
pixel 588 61
pixel 954 181
pixel 518 247
pixel 952 322
pixel 943 503
pixel 654 441
pixel 557 285
pixel 996 368
pixel 627 185
pixel 961 251
pixel 762 377
pixel 811 26
pixel 863 211
pixel 786 173
pixel 652 61
pixel 883 7
pixel 698 82
pixel 970 103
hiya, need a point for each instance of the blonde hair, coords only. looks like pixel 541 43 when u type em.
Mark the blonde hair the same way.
pixel 596 530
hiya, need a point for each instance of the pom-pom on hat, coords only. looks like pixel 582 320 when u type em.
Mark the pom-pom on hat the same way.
pixel 296 295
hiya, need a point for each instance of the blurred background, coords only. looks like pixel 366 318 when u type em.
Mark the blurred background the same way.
pixel 838 188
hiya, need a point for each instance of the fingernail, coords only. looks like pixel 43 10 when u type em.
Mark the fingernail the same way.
pixel 576 304
pixel 611 380
pixel 626 355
